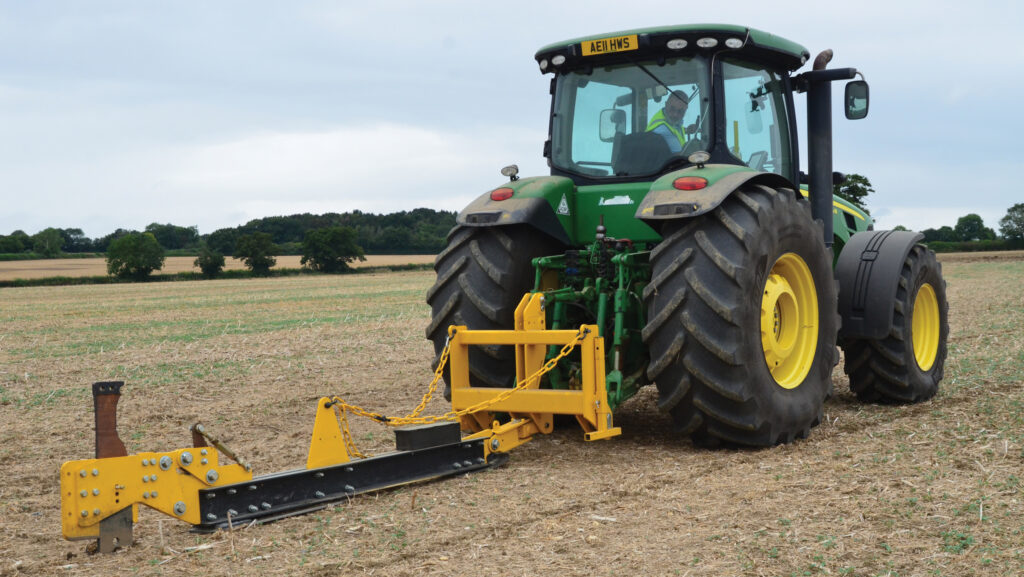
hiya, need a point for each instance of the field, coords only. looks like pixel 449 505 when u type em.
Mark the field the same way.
pixel 931 489
pixel 76 267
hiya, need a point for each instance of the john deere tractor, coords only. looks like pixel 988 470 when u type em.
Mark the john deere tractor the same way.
pixel 711 265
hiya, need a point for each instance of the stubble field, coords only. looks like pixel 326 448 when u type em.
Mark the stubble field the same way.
pixel 930 489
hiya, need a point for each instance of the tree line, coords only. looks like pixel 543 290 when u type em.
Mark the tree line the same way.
pixel 419 231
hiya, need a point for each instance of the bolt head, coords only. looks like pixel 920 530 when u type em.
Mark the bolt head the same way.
pixel 265 505
pixel 179 508
pixel 82 473
pixel 145 495
pixel 203 452
pixel 204 462
pixel 85 513
pixel 165 462
pixel 319 494
pixel 186 458
pixel 84 493
pixel 212 476
pixel 95 472
pixel 495 444
pixel 96 512
pixel 153 494
pixel 253 508
pixel 211 517
pixel 96 492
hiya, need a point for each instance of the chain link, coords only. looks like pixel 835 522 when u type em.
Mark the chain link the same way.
pixel 414 417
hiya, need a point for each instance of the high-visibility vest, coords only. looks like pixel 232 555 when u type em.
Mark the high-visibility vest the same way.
pixel 659 118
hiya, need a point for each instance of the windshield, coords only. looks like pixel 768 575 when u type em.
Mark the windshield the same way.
pixel 630 119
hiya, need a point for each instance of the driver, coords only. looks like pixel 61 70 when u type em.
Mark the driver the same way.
pixel 668 122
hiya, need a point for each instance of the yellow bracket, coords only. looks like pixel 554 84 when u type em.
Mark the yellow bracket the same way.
pixel 531 407
pixel 93 489
pixel 327 446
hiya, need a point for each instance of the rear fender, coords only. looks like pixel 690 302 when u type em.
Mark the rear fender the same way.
pixel 868 272
pixel 535 201
pixel 665 202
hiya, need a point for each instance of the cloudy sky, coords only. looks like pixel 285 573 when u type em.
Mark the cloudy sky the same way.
pixel 120 114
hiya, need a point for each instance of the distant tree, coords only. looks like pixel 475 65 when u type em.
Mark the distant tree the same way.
pixel 11 244
pixel 972 227
pixel 74 240
pixel 47 242
pixel 257 251
pixel 103 243
pixel 209 261
pixel 900 227
pixel 174 237
pixel 135 255
pixel 1011 226
pixel 855 189
pixel 331 249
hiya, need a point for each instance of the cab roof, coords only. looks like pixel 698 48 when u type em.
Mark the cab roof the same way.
pixel 654 42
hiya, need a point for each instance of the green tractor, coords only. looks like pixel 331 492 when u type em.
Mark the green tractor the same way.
pixel 674 219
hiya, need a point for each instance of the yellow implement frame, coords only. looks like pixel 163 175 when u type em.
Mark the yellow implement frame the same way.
pixel 531 408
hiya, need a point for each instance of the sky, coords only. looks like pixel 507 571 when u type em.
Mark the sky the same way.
pixel 210 114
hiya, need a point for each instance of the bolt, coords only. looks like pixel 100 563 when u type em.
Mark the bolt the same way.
pixel 232 513
pixel 179 508
pixel 211 517
pixel 468 463
pixel 95 473
pixel 495 444
pixel 84 493
pixel 186 458
pixel 456 465
pixel 96 512
pixel 349 469
pixel 145 462
pixel 480 460
pixel 232 491
pixel 145 478
pixel 152 477
pixel 318 475
pixel 152 461
pixel 203 452
pixel 85 513
pixel 204 462
pixel 145 495
pixel 253 508
pixel 265 505
pixel 165 462
pixel 350 489
pixel 96 492
pixel 319 494
pixel 83 473
pixel 212 476
pixel 252 487
pixel 153 494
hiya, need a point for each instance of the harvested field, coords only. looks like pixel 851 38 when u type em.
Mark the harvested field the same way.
pixel 930 489
pixel 77 267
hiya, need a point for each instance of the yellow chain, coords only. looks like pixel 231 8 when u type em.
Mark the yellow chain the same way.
pixel 413 418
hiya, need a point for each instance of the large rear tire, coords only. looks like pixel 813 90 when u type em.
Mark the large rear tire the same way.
pixel 481 277
pixel 907 365
pixel 742 320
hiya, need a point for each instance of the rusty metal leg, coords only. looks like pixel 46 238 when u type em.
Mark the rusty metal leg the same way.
pixel 116 530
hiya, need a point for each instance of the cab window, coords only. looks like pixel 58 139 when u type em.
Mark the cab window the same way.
pixel 756 119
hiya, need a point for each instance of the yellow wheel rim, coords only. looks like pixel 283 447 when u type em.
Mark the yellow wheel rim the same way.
pixel 924 329
pixel 789 321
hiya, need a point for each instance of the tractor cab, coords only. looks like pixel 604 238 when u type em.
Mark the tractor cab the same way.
pixel 617 99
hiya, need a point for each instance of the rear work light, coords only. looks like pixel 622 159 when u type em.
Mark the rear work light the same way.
pixel 685 183
pixel 503 193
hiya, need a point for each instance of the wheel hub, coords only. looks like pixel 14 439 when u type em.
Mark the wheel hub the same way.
pixel 924 328
pixel 789 321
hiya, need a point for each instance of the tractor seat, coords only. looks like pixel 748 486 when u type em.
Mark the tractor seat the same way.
pixel 638 153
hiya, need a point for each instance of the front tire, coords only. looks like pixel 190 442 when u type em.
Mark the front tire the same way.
pixel 907 365
pixel 742 320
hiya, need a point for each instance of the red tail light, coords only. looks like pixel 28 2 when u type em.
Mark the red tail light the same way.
pixel 690 183
pixel 503 193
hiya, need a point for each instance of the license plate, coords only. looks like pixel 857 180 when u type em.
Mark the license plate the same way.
pixel 609 45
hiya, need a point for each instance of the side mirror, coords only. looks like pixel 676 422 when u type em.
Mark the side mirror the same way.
pixel 856 99
pixel 613 121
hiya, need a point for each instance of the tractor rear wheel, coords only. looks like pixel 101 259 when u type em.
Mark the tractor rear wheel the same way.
pixel 481 277
pixel 742 320
pixel 907 365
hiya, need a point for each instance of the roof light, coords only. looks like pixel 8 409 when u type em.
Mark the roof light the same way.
pixel 676 44
pixel 733 43
pixel 544 64
pixel 558 59
pixel 707 42
pixel 688 183
pixel 503 193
